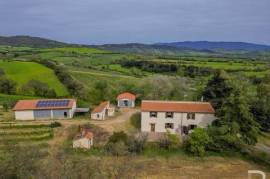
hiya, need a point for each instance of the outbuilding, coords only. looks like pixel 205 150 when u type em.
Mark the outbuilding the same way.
pixel 102 111
pixel 44 109
pixel 126 100
pixel 83 140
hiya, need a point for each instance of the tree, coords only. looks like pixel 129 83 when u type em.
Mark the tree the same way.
pixel 261 107
pixel 217 89
pixel 236 116
pixel 7 86
pixel 197 142
pixel 37 88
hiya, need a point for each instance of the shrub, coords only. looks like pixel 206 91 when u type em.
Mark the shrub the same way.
pixel 135 120
pixel 137 144
pixel 197 142
pixel 118 137
pixel 173 140
pixel 169 141
pixel 55 124
pixel 118 148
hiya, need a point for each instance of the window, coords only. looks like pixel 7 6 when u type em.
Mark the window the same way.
pixel 191 127
pixel 168 125
pixel 169 114
pixel 153 114
pixel 191 116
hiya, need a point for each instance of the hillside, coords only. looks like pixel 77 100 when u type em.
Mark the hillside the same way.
pixel 29 41
pixel 22 72
pixel 206 45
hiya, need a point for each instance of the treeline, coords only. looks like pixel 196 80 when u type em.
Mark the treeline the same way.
pixel 150 66
pixel 74 87
pixel 158 67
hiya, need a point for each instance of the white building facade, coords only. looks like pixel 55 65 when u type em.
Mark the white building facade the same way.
pixel 175 116
pixel 44 109
pixel 102 111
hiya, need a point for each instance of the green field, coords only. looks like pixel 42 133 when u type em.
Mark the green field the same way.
pixel 22 72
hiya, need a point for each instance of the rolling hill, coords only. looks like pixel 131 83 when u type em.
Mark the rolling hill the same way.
pixel 206 45
pixel 22 72
pixel 28 41
pixel 195 48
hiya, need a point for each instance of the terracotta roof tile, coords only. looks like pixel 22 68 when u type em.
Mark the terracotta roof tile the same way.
pixel 126 95
pixel 177 106
pixel 22 105
pixel 101 107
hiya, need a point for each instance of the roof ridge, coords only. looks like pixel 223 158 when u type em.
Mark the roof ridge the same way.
pixel 168 101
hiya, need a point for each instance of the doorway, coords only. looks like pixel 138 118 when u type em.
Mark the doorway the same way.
pixel 126 103
pixel 65 114
pixel 153 127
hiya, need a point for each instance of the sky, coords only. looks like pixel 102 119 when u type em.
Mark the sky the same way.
pixel 140 21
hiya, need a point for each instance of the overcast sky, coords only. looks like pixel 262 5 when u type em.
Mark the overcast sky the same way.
pixel 147 21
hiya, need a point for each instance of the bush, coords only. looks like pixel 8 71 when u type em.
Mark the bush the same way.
pixel 55 124
pixel 170 141
pixel 137 144
pixel 118 148
pixel 7 86
pixel 197 142
pixel 135 120
pixel 118 137
pixel 37 88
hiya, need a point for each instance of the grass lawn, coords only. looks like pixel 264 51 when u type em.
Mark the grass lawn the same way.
pixel 22 72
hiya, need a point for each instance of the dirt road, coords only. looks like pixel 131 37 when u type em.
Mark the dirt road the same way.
pixel 117 123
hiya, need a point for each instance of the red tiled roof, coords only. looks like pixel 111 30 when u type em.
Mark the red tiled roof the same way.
pixel 101 107
pixel 22 105
pixel 177 106
pixel 85 133
pixel 88 135
pixel 126 95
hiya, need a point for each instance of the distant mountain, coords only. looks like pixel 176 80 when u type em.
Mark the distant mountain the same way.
pixel 29 41
pixel 206 45
pixel 236 49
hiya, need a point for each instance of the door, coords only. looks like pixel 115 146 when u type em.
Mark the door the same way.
pixel 126 103
pixel 185 130
pixel 153 127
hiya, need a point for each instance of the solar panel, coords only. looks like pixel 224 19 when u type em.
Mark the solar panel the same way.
pixel 52 103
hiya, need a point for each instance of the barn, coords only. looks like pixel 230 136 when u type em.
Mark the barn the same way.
pixel 44 109
pixel 126 100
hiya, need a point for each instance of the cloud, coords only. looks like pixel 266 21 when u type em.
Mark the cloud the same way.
pixel 118 21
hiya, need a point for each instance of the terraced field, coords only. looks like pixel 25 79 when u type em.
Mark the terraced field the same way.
pixel 22 132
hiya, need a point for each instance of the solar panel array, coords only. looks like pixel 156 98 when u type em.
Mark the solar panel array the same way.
pixel 53 103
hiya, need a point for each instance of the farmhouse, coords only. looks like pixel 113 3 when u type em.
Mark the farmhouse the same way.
pixel 44 109
pixel 178 117
pixel 102 111
pixel 83 140
pixel 126 100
